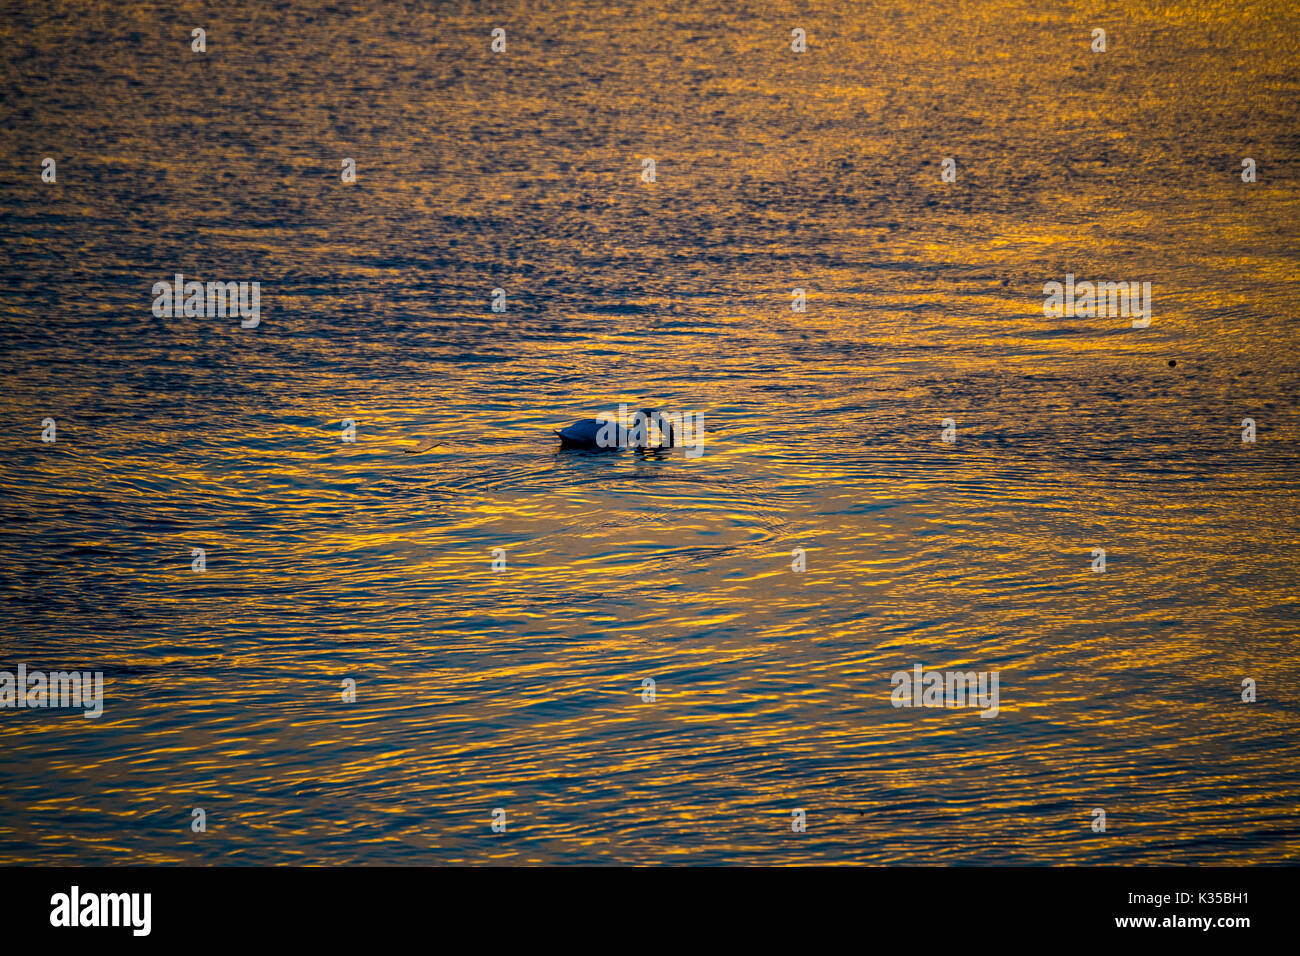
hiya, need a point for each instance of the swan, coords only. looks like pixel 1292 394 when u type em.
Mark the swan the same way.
pixel 586 434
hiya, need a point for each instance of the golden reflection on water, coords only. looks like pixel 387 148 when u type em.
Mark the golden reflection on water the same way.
pixel 521 688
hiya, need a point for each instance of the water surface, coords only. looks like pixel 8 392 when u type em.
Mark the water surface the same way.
pixel 521 688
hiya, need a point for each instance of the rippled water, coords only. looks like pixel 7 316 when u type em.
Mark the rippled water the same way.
pixel 521 688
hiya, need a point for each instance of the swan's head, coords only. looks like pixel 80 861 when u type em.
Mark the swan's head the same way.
pixel 641 426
